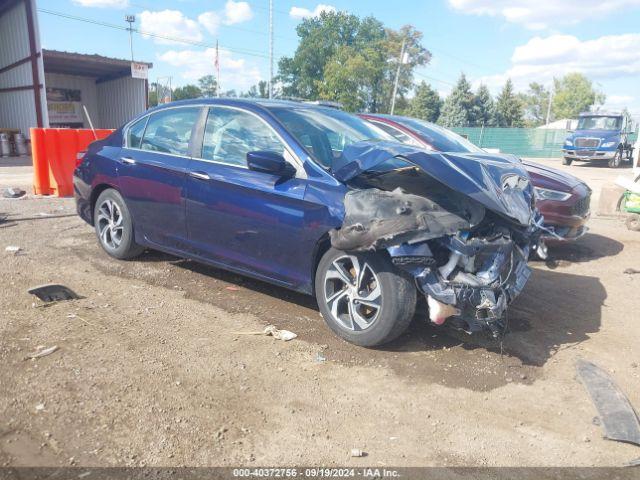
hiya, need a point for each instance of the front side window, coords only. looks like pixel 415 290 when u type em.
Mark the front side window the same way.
pixel 326 132
pixel 397 134
pixel 169 131
pixel 230 134
pixel 134 135
pixel 441 139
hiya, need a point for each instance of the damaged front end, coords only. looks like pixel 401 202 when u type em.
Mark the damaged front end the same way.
pixel 462 225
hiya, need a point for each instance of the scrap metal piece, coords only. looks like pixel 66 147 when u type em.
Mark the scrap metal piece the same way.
pixel 53 293
pixel 618 418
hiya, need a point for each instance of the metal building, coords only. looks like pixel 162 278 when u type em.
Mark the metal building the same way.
pixel 46 88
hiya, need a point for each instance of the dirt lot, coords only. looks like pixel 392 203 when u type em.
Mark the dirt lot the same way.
pixel 151 371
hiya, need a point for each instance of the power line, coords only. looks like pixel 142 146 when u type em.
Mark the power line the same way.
pixel 153 35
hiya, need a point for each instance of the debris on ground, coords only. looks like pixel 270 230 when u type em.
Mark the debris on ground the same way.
pixel 356 452
pixel 631 271
pixel 284 335
pixel 42 352
pixel 53 293
pixel 39 407
pixel 13 249
pixel 232 289
pixel 13 192
pixel 320 357
pixel 617 416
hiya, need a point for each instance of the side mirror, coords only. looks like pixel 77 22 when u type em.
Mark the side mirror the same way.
pixel 270 162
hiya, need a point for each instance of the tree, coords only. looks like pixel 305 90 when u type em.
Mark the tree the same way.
pixel 456 110
pixel 261 90
pixel 573 94
pixel 425 104
pixel 186 92
pixel 208 86
pixel 536 104
pixel 509 108
pixel 351 60
pixel 483 109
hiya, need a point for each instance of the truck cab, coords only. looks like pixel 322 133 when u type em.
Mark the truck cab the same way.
pixel 599 137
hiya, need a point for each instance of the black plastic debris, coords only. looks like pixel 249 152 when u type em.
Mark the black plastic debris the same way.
pixel 53 293
pixel 617 416
pixel 13 192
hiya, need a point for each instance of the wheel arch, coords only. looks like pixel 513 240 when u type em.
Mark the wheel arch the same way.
pixel 322 246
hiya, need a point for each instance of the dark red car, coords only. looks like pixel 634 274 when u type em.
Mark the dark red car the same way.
pixel 562 199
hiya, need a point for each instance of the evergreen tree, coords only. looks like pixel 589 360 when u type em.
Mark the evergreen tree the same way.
pixel 425 104
pixel 509 111
pixel 483 108
pixel 456 110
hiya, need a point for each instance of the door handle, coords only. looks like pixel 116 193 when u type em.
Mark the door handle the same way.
pixel 128 160
pixel 200 175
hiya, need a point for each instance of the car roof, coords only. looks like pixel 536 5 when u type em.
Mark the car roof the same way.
pixel 244 102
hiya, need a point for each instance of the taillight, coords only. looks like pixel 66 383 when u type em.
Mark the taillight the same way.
pixel 80 158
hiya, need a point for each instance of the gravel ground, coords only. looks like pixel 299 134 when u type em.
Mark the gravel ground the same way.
pixel 151 369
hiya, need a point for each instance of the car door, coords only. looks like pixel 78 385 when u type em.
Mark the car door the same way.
pixel 251 221
pixel 153 171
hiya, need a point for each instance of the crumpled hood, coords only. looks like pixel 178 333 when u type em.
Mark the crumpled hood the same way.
pixel 498 182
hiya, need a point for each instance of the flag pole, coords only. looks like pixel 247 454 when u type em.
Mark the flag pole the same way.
pixel 217 70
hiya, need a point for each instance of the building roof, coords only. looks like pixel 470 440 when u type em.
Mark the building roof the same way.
pixel 86 65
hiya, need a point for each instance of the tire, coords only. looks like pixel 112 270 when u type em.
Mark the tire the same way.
pixel 566 161
pixel 114 226
pixel 616 161
pixel 376 311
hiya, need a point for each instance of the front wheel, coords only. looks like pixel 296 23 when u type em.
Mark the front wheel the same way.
pixel 616 161
pixel 114 226
pixel 363 298
pixel 566 161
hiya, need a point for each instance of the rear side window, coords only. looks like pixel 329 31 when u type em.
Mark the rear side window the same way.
pixel 169 131
pixel 230 134
pixel 134 136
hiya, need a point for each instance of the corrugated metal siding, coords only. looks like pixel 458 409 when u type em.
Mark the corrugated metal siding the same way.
pixel 87 87
pixel 120 100
pixel 14 36
pixel 17 109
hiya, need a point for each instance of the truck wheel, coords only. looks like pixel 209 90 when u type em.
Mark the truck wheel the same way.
pixel 616 161
pixel 363 298
pixel 567 161
pixel 633 222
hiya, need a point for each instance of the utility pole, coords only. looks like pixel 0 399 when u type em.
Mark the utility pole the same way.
pixel 270 48
pixel 130 19
pixel 395 83
pixel 549 105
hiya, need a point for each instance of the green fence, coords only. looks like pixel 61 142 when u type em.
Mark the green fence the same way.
pixel 524 142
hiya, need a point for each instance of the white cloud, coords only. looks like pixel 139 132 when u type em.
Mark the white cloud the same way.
pixel 235 73
pixel 542 58
pixel 237 12
pixel 540 14
pixel 300 12
pixel 170 23
pixel 102 3
pixel 211 21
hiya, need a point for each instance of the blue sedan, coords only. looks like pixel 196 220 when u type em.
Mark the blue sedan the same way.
pixel 320 201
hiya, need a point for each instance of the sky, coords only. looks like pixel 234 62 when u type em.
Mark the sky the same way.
pixel 488 40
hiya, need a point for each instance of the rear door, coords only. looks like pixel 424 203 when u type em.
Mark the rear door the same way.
pixel 152 173
pixel 252 221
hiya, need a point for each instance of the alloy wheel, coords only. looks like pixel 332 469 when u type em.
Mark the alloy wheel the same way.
pixel 110 224
pixel 352 293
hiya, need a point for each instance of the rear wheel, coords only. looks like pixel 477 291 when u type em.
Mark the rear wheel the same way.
pixel 616 161
pixel 363 298
pixel 114 226
pixel 567 161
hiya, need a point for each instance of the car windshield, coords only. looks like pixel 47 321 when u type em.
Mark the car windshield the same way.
pixel 439 138
pixel 599 123
pixel 326 132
